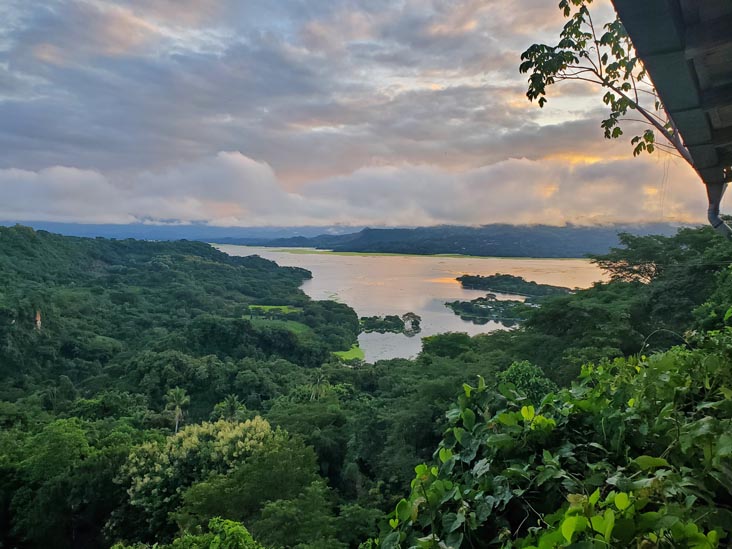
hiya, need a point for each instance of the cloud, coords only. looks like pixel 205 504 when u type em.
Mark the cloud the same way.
pixel 517 190
pixel 232 189
pixel 60 194
pixel 325 100
pixel 76 32
pixel 227 186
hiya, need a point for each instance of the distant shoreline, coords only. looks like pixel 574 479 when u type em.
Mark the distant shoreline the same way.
pixel 316 251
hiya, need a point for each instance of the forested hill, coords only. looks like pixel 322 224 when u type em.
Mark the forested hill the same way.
pixel 81 307
pixel 488 240
pixel 143 394
pixel 42 256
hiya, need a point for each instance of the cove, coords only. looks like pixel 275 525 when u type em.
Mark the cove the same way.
pixel 378 284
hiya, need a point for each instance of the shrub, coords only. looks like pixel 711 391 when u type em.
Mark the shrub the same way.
pixel 638 452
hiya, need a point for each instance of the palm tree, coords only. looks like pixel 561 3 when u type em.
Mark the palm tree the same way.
pixel 230 408
pixel 320 388
pixel 176 400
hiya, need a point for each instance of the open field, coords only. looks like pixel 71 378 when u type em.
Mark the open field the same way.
pixel 286 309
pixel 354 352
pixel 296 327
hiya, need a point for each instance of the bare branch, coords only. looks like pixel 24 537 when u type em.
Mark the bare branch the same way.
pixel 597 45
pixel 639 120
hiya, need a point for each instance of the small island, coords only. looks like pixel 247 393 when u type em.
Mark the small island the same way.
pixel 508 312
pixel 489 308
pixel 407 324
pixel 510 284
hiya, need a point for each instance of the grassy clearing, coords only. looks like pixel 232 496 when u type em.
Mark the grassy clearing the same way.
pixel 296 327
pixel 286 309
pixel 354 352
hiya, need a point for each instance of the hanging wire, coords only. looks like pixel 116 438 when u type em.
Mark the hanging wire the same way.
pixel 664 186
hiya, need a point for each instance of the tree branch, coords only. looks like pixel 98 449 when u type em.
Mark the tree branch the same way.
pixel 672 138
pixel 597 44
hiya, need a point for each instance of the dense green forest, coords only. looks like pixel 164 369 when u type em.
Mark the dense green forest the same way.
pixel 167 393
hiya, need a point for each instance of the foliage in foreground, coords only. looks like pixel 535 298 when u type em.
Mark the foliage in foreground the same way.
pixel 637 453
pixel 222 534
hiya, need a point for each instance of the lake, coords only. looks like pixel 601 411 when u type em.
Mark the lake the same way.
pixel 380 285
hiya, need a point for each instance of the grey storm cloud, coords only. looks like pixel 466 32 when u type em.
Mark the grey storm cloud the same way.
pixel 352 111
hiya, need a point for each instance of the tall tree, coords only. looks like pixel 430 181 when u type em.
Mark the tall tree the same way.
pixel 230 409
pixel 603 55
pixel 176 400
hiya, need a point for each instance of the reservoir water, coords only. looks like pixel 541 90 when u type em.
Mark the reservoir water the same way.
pixel 396 284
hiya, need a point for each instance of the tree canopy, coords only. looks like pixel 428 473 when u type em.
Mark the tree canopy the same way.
pixel 286 442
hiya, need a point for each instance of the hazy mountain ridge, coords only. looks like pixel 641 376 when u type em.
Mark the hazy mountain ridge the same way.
pixel 488 240
pixel 179 231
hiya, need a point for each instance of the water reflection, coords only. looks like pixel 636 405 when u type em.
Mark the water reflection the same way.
pixel 393 285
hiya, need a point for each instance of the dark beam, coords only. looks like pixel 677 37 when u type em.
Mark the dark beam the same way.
pixel 722 137
pixel 715 98
pixel 655 26
pixel 719 173
pixel 694 126
pixel 708 35
pixel 712 175
pixel 705 156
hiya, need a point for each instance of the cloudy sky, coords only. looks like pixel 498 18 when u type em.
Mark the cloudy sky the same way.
pixel 307 112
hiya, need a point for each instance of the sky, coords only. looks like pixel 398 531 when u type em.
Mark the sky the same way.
pixel 308 112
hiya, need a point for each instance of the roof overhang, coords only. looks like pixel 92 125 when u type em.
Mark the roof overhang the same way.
pixel 686 46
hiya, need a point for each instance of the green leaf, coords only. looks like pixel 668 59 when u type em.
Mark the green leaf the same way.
pixel 595 497
pixel 501 440
pixel 528 413
pixel 394 523
pixel 728 315
pixel 481 468
pixel 453 521
pixel 622 501
pixel 507 418
pixel 445 454
pixel 481 382
pixel 507 390
pixel 598 524
pixel 609 523
pixel 724 445
pixel 648 462
pixel 572 525
pixel 458 432
pixel 403 510
pixel 391 541
pixel 468 419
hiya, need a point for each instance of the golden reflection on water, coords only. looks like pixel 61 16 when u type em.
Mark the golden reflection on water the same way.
pixel 452 280
pixel 393 284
